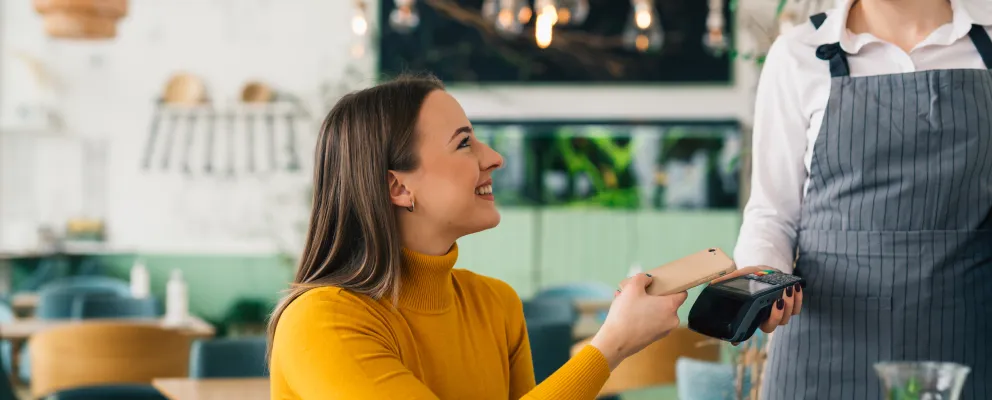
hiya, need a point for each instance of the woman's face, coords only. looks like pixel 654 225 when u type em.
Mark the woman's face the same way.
pixel 452 187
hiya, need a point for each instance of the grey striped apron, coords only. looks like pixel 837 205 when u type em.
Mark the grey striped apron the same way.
pixel 895 235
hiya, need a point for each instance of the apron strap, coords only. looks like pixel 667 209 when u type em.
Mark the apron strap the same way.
pixel 980 37
pixel 832 52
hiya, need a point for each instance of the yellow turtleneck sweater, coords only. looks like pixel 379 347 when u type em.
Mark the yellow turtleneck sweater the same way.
pixel 454 335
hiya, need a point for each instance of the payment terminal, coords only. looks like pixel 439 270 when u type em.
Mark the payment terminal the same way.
pixel 733 309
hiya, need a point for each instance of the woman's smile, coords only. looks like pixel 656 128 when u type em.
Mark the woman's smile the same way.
pixel 485 190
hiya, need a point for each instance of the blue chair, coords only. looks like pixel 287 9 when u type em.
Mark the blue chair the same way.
pixel 101 306
pixel 550 346
pixel 706 380
pixel 228 358
pixel 576 291
pixel 586 290
pixel 57 299
pixel 550 309
pixel 89 282
pixel 114 392
pixel 6 389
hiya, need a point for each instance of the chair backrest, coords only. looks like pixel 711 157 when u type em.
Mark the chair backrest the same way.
pixel 550 346
pixel 87 306
pixel 91 353
pixel 56 299
pixel 572 291
pixel 550 309
pixel 87 283
pixel 228 358
pixel 6 388
pixel 114 392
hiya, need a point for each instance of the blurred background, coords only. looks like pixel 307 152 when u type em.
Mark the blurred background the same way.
pixel 155 169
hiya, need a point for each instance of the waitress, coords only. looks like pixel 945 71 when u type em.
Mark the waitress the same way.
pixel 872 179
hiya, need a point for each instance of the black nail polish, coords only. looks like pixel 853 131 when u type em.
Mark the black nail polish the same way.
pixel 649 275
pixel 799 288
pixel 780 304
pixel 788 291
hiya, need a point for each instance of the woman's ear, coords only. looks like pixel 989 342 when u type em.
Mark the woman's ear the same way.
pixel 398 193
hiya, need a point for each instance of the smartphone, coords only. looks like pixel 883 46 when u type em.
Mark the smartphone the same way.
pixel 690 271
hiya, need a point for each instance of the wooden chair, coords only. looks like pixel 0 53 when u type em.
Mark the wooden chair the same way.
pixel 105 353
pixel 655 365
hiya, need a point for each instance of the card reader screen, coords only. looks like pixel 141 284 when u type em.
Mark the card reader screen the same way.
pixel 747 286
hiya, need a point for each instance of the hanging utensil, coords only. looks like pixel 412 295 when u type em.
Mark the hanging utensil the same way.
pixel 257 93
pixel 230 144
pixel 208 166
pixel 294 160
pixel 190 130
pixel 169 135
pixel 146 162
pixel 250 140
pixel 182 90
pixel 270 123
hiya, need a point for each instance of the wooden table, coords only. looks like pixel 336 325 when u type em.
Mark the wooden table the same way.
pixel 588 323
pixel 19 330
pixel 24 303
pixel 213 389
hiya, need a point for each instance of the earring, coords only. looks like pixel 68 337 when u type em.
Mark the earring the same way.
pixel 412 205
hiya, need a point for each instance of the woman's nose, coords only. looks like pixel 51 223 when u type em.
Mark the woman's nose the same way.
pixel 491 159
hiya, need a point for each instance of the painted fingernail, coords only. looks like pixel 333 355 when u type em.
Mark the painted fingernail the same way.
pixel 799 288
pixel 649 275
pixel 788 291
pixel 780 304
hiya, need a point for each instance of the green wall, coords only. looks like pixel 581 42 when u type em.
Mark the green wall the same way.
pixel 529 250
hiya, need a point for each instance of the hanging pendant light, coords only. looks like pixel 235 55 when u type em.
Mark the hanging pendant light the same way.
pixel 643 32
pixel 572 12
pixel 547 17
pixel 508 16
pixel 81 19
pixel 715 40
pixel 360 29
pixel 404 17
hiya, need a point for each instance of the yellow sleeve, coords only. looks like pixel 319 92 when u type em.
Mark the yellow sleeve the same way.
pixel 329 348
pixel 581 378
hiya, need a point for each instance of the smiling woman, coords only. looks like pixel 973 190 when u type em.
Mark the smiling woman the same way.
pixel 377 309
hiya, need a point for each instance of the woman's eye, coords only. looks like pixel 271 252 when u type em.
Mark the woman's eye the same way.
pixel 464 143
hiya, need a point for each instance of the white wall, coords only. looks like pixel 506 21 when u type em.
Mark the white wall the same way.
pixel 106 90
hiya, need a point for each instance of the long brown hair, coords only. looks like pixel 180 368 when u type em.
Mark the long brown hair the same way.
pixel 353 241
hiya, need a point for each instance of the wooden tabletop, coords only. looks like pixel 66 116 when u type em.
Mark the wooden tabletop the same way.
pixel 21 329
pixel 24 303
pixel 213 389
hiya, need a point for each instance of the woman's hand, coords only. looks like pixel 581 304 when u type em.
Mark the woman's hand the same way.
pixel 784 309
pixel 636 319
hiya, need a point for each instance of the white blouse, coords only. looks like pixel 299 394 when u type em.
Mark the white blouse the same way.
pixel 791 97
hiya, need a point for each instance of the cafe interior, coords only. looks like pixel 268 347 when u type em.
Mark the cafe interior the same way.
pixel 155 172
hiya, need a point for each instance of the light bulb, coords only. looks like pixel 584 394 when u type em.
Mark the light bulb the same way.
pixel 543 29
pixel 359 24
pixel 572 12
pixel 642 15
pixel 643 32
pixel 404 17
pixel 524 14
pixel 715 38
pixel 358 50
pixel 508 16
pixel 715 42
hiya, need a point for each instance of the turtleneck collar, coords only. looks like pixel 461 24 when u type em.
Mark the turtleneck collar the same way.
pixel 426 282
